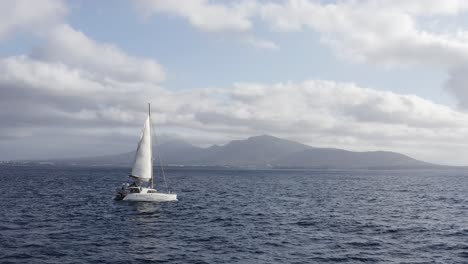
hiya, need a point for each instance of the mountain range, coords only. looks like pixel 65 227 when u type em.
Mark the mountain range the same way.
pixel 260 152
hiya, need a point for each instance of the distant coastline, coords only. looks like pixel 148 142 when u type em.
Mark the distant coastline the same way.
pixel 227 168
pixel 254 153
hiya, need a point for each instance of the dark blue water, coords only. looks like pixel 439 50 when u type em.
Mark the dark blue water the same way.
pixel 67 215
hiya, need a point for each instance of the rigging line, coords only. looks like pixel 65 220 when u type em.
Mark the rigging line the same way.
pixel 151 144
pixel 160 161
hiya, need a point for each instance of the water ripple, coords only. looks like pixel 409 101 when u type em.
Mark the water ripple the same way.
pixel 67 215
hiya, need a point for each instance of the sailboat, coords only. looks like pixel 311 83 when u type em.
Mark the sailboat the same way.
pixel 142 188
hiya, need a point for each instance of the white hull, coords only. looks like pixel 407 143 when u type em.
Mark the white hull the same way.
pixel 151 197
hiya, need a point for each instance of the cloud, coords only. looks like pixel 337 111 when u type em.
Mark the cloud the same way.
pixel 100 60
pixel 203 14
pixel 74 93
pixel 326 105
pixel 72 83
pixel 377 31
pixel 44 93
pixel 456 84
pixel 261 43
pixel 382 32
pixel 211 17
pixel 43 98
pixel 68 85
pixel 29 16
pixel 331 114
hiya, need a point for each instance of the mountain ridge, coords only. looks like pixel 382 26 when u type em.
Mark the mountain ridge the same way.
pixel 262 151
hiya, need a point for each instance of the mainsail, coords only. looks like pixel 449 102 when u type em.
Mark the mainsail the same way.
pixel 143 166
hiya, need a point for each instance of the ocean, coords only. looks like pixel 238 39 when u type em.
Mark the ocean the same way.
pixel 67 215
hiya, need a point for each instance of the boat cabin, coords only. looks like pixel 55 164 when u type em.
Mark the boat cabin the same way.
pixel 134 189
pixel 141 190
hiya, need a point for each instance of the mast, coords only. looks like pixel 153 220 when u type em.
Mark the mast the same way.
pixel 151 144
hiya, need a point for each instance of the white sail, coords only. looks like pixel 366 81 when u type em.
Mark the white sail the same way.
pixel 143 166
pixel 143 172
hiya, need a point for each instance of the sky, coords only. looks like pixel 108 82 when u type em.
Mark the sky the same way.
pixel 76 76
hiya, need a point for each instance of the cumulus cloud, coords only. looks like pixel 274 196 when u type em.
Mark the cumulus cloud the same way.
pixel 83 93
pixel 382 32
pixel 457 84
pixel 68 85
pixel 203 14
pixel 331 114
pixel 208 16
pixel 386 32
pixel 261 43
pixel 30 16
pixel 41 97
pixel 36 94
pixel 326 105
pixel 101 60
pixel 72 84
pixel 75 78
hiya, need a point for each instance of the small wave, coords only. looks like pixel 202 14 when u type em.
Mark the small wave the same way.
pixel 306 223
pixel 364 244
pixel 16 256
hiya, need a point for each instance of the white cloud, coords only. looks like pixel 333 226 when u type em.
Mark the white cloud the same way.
pixel 208 16
pixel 378 31
pixel 330 114
pixel 326 105
pixel 41 93
pixel 384 32
pixel 69 84
pixel 100 60
pixel 72 85
pixel 30 16
pixel 203 14
pixel 261 43
pixel 422 7
pixel 43 97
pixel 457 84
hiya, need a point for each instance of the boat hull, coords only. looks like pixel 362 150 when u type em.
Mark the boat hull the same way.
pixel 150 197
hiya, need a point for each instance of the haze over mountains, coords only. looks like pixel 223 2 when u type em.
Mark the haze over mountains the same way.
pixel 261 152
